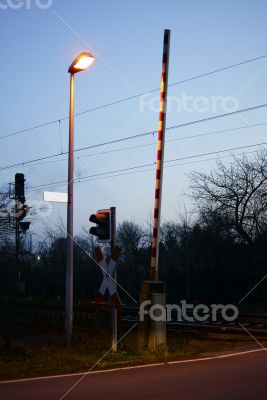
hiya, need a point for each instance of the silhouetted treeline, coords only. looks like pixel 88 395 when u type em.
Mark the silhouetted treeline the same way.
pixel 198 261
pixel 218 257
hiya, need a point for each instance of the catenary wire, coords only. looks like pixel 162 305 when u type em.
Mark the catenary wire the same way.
pixel 150 144
pixel 23 131
pixel 259 106
pixel 81 179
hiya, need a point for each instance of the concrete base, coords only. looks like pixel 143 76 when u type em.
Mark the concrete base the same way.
pixel 157 329
pixel 152 334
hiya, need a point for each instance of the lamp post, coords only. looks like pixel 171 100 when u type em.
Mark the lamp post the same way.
pixel 82 62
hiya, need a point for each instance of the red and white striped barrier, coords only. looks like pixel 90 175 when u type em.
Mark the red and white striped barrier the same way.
pixel 160 156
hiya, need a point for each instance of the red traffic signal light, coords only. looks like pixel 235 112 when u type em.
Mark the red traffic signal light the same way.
pixel 102 230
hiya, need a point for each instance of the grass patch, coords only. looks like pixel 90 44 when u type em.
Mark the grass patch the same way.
pixel 47 355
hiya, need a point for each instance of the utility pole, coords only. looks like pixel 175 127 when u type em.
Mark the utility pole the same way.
pixel 17 193
pixel 19 197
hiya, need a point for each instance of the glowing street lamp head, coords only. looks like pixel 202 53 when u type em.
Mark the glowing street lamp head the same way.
pixel 82 62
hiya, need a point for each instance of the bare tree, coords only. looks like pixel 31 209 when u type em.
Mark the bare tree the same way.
pixel 237 193
pixel 131 237
pixel 5 229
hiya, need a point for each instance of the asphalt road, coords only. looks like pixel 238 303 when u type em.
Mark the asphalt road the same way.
pixel 237 377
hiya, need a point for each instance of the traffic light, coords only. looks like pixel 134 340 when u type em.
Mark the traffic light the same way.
pixel 102 230
pixel 19 187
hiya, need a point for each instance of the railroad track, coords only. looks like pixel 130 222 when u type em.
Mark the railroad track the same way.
pixel 219 326
pixel 32 310
pixel 253 323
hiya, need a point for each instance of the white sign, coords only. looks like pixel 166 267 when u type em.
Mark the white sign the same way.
pixel 56 197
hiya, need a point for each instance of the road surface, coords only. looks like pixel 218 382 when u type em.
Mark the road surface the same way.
pixel 239 377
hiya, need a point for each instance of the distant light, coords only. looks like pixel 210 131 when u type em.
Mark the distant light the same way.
pixel 38 258
pixel 82 62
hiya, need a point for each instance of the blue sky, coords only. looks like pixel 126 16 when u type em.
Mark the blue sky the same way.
pixel 126 38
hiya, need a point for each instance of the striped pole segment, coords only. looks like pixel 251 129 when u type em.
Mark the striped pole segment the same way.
pixel 160 156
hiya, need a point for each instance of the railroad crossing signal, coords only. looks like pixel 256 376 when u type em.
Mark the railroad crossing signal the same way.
pixel 102 230
pixel 108 282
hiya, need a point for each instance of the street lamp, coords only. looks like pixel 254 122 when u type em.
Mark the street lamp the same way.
pixel 82 62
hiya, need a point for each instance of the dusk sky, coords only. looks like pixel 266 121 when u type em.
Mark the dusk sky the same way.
pixel 126 39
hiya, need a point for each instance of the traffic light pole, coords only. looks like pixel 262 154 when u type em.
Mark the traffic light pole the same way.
pixel 69 266
pixel 17 193
pixel 114 314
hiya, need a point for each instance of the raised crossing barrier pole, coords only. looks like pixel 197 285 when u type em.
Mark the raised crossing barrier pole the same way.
pixel 152 334
pixel 160 156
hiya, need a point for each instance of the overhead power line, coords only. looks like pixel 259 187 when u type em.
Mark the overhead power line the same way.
pixel 26 130
pixel 149 144
pixel 140 135
pixel 81 179
pixel 166 166
pixel 153 143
